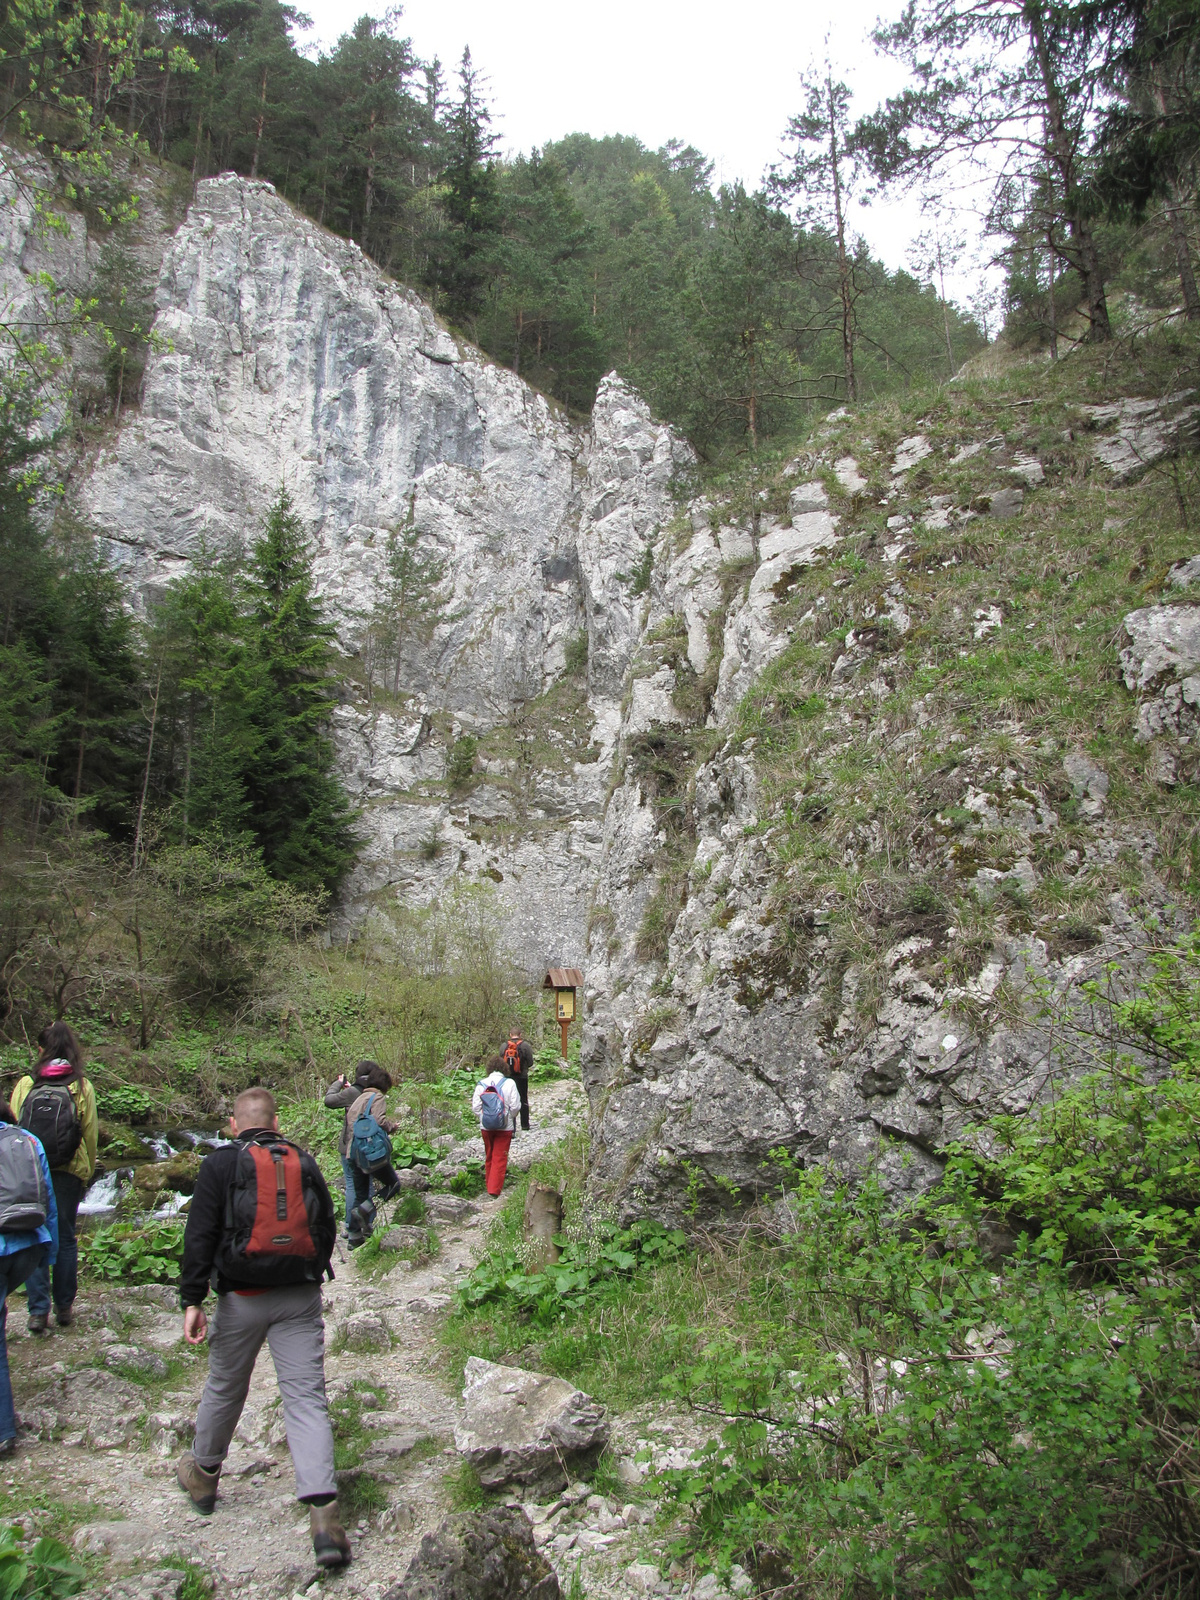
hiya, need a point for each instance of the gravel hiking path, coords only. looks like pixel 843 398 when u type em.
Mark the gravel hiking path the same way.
pixel 106 1408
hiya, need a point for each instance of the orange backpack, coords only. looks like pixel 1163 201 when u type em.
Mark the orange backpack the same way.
pixel 512 1057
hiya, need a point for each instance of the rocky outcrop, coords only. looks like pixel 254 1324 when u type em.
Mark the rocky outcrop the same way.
pixel 525 1427
pixel 1134 434
pixel 1161 665
pixel 615 816
pixel 285 358
pixel 479 1555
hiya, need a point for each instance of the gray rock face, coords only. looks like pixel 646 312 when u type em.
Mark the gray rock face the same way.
pixel 525 1427
pixel 1161 664
pixel 1134 434
pixel 285 357
pixel 478 1555
pixel 710 1038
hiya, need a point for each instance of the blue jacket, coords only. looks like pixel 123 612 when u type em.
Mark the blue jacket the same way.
pixel 10 1243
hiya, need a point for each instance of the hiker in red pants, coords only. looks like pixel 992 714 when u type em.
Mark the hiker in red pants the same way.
pixel 497 1104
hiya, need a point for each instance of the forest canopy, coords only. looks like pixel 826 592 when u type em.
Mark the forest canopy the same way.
pixel 727 309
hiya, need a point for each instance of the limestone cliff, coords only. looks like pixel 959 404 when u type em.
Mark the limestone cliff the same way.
pixel 625 818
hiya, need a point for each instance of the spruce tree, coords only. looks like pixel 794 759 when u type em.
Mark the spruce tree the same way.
pixel 471 201
pixel 299 810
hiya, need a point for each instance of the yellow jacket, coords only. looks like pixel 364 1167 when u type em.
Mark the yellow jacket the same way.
pixel 83 1162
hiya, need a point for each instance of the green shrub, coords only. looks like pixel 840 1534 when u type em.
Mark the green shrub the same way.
pixel 143 1252
pixel 468 1182
pixel 410 1208
pixel 586 1269
pixel 575 657
pixel 125 1103
pixel 460 764
pixel 917 1419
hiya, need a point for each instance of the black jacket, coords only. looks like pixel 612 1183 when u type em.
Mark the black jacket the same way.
pixel 206 1220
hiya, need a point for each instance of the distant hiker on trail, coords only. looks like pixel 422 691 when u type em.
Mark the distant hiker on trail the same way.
pixel 57 1104
pixel 518 1053
pixel 497 1104
pixel 365 1146
pixel 28 1241
pixel 262 1225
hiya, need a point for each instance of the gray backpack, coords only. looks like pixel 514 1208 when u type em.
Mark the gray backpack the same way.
pixel 24 1201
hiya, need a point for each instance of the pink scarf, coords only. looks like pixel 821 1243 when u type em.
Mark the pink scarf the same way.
pixel 55 1069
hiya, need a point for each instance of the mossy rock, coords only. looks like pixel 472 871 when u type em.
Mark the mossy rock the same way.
pixel 119 1146
pixel 178 1172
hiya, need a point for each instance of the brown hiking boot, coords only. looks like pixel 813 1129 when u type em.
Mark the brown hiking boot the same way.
pixel 64 1315
pixel 330 1544
pixel 198 1483
pixel 38 1321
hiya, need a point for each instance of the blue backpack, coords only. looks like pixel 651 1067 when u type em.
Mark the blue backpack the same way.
pixel 493 1113
pixel 369 1143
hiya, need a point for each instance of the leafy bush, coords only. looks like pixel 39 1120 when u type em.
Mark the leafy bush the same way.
pixel 468 1182
pixel 412 1149
pixel 126 1103
pixel 918 1420
pixel 588 1268
pixel 44 1573
pixel 144 1252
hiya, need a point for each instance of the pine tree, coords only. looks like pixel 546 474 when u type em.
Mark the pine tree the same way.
pixel 408 604
pixel 820 178
pixel 471 200
pixel 299 811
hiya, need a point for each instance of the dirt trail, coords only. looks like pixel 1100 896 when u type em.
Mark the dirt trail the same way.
pixel 98 1438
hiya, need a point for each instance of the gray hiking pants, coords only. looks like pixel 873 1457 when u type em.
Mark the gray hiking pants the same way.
pixel 291 1323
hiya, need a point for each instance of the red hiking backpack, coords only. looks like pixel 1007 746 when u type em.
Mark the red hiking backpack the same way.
pixel 274 1232
pixel 512 1057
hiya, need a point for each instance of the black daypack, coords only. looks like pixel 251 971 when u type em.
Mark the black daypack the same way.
pixel 275 1232
pixel 24 1201
pixel 51 1115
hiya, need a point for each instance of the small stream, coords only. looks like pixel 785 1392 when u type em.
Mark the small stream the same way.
pixel 100 1202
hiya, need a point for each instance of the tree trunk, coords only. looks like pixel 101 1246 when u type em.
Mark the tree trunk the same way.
pixel 844 285
pixel 79 760
pixel 258 125
pixel 141 814
pixel 1051 308
pixel 369 196
pixel 542 1220
pixel 162 119
pixel 945 308
pixel 1062 154
pixel 1183 256
pixel 517 348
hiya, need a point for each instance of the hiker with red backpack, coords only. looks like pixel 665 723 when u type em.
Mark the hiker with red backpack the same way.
pixel 365 1146
pixel 497 1104
pixel 57 1104
pixel 261 1227
pixel 518 1054
pixel 28 1240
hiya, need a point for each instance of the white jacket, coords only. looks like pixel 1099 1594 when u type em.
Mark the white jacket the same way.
pixel 509 1093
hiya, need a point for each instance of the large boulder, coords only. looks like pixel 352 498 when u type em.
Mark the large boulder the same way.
pixel 526 1427
pixel 178 1173
pixel 479 1555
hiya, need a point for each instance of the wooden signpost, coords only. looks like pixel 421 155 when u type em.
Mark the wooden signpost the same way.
pixel 564 981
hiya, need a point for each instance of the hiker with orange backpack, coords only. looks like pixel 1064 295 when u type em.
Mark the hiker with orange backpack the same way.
pixel 518 1056
pixel 262 1226
pixel 497 1104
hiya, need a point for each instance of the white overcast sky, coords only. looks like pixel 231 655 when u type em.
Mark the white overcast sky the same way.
pixel 723 77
